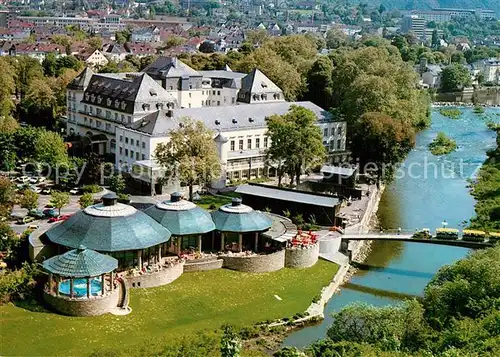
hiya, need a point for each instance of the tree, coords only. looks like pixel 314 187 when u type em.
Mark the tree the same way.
pixel 207 47
pixel 92 173
pixel 29 200
pixel 117 184
pixel 40 99
pixel 51 149
pixel 7 237
pixel 86 200
pixel 256 37
pixel 435 43
pixel 174 41
pixel 469 288
pixel 296 141
pixel 382 142
pixel 6 197
pixel 455 77
pixel 49 64
pixel 190 155
pixel 59 199
pixel 319 80
pixel 7 88
pixel 230 344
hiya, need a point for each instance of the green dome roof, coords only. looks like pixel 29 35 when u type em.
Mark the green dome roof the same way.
pixel 236 217
pixel 80 263
pixel 181 217
pixel 109 227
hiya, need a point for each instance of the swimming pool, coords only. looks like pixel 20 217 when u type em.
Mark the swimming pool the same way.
pixel 80 287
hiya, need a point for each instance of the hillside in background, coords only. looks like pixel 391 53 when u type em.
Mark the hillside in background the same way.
pixel 428 4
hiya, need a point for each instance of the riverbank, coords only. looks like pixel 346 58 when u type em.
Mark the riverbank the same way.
pixel 463 104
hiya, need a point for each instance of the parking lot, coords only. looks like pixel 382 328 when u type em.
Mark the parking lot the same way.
pixel 72 207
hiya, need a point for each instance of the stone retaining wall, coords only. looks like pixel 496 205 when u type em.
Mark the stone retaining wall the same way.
pixel 163 277
pixel 302 257
pixel 203 265
pixel 256 263
pixel 94 306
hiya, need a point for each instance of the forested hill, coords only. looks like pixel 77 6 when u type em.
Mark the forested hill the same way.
pixel 429 4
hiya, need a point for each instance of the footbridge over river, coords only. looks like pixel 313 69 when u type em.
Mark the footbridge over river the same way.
pixel 406 237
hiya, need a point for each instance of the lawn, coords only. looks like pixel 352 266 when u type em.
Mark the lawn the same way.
pixel 195 302
pixel 208 200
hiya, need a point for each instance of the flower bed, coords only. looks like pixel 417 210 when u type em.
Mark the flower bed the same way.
pixel 473 235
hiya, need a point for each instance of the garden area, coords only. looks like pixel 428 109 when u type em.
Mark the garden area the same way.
pixel 189 309
pixel 212 202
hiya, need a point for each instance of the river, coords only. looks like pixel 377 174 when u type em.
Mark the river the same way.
pixel 427 191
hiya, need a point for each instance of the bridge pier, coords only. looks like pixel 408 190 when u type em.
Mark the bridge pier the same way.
pixel 344 246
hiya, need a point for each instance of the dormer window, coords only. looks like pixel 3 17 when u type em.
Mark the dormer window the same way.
pixel 159 105
pixel 251 120
pixel 152 92
pixel 145 106
pixel 123 105
pixel 108 102
pixel 263 84
pixel 92 98
pixel 87 96
pixel 217 122
pixel 117 103
pixel 99 99
pixel 235 121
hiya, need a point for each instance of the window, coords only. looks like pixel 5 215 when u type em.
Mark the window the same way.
pixel 143 157
pixel 126 140
pixel 121 150
pixel 339 130
pixel 339 144
pixel 213 92
pixel 121 138
pixel 257 143
pixel 97 111
pixel 189 105
pixel 189 95
pixel 249 144
pixel 208 102
pixel 112 143
pixel 202 103
pixel 143 145
pixel 132 154
pixel 137 143
pixel 129 118
pixel 126 152
pixel 85 120
pixel 108 127
pixel 137 156
pixel 233 100
pixel 218 102
pixel 108 114
pixel 90 110
pixel 85 108
pixel 202 92
pixel 116 116
pixel 325 132
pixel 98 123
pixel 241 144
pixel 218 92
pixel 265 142
pixel 232 145
pixel 332 145
pixel 91 122
pixel 123 118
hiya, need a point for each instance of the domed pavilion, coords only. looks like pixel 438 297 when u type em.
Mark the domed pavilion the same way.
pixel 184 219
pixel 81 282
pixel 119 230
pixel 241 220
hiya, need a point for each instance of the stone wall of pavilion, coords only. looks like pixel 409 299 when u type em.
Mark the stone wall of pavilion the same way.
pixel 203 265
pixel 162 277
pixel 96 305
pixel 256 263
pixel 302 257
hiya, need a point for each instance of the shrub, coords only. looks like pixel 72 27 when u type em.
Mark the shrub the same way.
pixel 123 198
pixel 91 189
pixel 316 298
pixel 18 284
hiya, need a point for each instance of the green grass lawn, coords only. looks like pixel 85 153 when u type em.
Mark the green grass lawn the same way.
pixel 193 303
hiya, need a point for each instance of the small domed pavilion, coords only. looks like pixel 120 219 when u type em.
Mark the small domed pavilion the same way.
pixel 182 218
pixel 240 219
pixel 120 230
pixel 81 282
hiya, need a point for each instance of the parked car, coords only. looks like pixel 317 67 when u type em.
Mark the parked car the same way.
pixel 23 179
pixel 50 212
pixel 36 189
pixel 28 219
pixel 65 217
pixel 33 226
pixel 74 191
pixel 54 219
pixel 49 205
pixel 41 179
pixel 36 213
pixel 46 191
pixel 33 180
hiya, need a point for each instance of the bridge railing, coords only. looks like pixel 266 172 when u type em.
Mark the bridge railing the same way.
pixel 392 231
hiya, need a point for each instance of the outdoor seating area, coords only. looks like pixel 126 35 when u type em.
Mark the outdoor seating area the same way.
pixel 303 239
